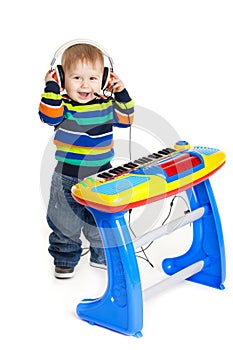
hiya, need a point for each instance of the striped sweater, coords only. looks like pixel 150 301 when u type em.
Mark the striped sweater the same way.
pixel 84 132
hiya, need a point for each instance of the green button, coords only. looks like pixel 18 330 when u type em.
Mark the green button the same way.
pixel 82 183
pixel 91 179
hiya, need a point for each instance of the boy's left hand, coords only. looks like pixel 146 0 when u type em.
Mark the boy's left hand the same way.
pixel 116 84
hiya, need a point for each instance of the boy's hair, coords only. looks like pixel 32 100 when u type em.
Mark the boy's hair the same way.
pixel 81 52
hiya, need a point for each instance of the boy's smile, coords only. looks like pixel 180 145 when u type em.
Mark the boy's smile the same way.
pixel 82 80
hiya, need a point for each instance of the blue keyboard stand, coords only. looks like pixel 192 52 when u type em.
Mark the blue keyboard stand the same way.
pixel 120 308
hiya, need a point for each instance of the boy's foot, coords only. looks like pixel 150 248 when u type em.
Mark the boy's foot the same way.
pixel 64 272
pixel 97 265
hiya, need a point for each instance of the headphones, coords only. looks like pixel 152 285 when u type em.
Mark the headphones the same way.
pixel 59 72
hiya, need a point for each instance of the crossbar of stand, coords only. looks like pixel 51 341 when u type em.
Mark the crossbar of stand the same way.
pixel 173 279
pixel 169 227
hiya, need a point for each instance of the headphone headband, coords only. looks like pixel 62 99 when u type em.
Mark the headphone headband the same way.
pixel 68 44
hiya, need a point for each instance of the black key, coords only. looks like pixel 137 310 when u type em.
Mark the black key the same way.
pixel 151 156
pixel 157 155
pixel 121 168
pixel 115 171
pixel 164 152
pixel 171 150
pixel 130 165
pixel 138 161
pixel 104 175
pixel 146 159
pixel 143 160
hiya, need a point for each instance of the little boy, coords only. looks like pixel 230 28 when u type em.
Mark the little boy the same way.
pixel 84 123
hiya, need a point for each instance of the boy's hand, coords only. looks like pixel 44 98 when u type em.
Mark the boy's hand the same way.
pixel 50 76
pixel 116 85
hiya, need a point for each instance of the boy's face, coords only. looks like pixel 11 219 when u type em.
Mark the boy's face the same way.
pixel 82 80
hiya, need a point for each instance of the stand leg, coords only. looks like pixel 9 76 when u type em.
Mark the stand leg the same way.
pixel 207 245
pixel 121 306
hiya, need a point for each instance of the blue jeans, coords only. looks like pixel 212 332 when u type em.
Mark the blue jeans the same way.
pixel 68 219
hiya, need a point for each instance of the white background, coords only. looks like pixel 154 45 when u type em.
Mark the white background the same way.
pixel 175 58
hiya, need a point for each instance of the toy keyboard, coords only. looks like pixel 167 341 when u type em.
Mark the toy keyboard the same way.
pixel 149 178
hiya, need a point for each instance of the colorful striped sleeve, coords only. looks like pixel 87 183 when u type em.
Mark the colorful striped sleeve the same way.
pixel 123 109
pixel 51 109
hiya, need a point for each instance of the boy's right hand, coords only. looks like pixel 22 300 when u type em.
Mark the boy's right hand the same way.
pixel 50 76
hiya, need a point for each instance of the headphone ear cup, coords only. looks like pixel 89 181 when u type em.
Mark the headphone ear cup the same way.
pixel 60 76
pixel 106 76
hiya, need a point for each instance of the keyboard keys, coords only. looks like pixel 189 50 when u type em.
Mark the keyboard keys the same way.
pixel 115 171
pixel 121 168
pixel 130 165
pixel 134 164
pixel 164 152
pixel 146 159
pixel 171 150
pixel 139 161
pixel 152 156
pixel 157 155
pixel 104 175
